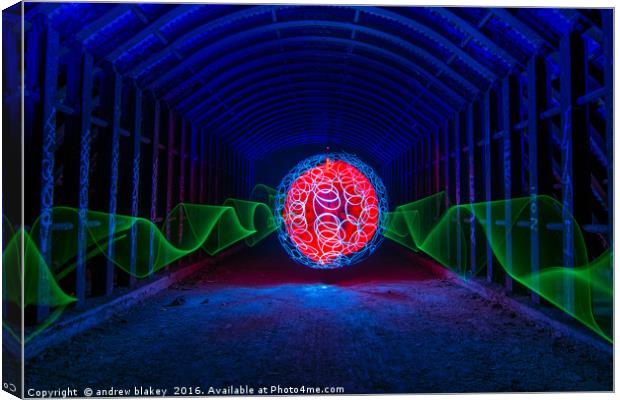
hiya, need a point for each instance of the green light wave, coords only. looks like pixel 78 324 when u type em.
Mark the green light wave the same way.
pixel 584 290
pixel 186 229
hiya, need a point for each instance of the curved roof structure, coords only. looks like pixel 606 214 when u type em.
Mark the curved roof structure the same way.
pixel 264 78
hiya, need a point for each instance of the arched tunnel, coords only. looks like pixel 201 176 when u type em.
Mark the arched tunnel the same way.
pixel 156 239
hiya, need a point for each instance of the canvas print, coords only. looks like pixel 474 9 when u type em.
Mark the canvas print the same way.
pixel 287 199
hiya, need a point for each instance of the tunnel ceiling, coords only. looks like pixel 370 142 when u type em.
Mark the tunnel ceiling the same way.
pixel 266 78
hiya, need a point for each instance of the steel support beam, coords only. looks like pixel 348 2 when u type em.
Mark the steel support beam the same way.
pixel 135 182
pixel 487 174
pixel 574 135
pixel 84 177
pixel 446 172
pixel 506 121
pixel 469 126
pixel 182 170
pixel 154 183
pixel 193 159
pixel 169 170
pixel 608 51
pixel 202 184
pixel 457 187
pixel 535 96
pixel 114 160
pixel 47 165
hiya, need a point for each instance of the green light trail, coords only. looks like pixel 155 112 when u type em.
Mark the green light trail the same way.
pixel 186 229
pixel 585 290
pixel 429 225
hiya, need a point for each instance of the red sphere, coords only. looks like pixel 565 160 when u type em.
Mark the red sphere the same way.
pixel 330 211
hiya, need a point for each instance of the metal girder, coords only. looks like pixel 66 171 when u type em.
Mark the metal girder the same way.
pixel 303 135
pixel 42 8
pixel 431 34
pixel 48 156
pixel 521 27
pixel 219 22
pixel 114 161
pixel 299 119
pixel 291 106
pixel 342 114
pixel 231 73
pixel 95 26
pixel 355 95
pixel 471 186
pixel 292 114
pixel 476 34
pixel 487 174
pixel 247 82
pixel 261 80
pixel 154 181
pixel 574 134
pixel 608 51
pixel 286 135
pixel 420 73
pixel 420 53
pixel 305 138
pixel 86 106
pixel 378 93
pixel 320 98
pixel 150 29
pixel 135 182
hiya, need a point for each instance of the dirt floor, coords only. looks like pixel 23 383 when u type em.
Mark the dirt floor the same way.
pixel 385 325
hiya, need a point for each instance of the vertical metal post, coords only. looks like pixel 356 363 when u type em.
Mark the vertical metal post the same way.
pixel 469 116
pixel 217 170
pixel 182 162
pixel 457 187
pixel 416 172
pixel 422 167
pixel 403 178
pixel 608 51
pixel 202 184
pixel 567 159
pixel 429 165
pixel 446 161
pixel 535 83
pixel 169 169
pixel 412 176
pixel 116 131
pixel 135 183
pixel 436 162
pixel 85 138
pixel 446 170
pixel 154 183
pixel 574 135
pixel 506 160
pixel 486 159
pixel 193 159
pixel 47 165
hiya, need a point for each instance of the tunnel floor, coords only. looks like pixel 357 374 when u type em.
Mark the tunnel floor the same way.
pixel 384 325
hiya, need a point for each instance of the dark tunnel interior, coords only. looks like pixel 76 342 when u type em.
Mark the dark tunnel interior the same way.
pixel 156 138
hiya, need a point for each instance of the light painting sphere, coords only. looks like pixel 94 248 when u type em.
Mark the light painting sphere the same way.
pixel 330 211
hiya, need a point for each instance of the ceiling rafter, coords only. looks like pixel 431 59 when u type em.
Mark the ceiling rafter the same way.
pixel 279 80
pixel 319 100
pixel 423 55
pixel 241 70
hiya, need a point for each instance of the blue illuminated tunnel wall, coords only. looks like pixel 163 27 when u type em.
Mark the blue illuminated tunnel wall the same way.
pixel 134 108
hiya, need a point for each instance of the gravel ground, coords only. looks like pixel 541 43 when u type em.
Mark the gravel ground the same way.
pixel 385 325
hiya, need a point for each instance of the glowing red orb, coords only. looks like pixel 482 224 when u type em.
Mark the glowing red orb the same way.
pixel 331 211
